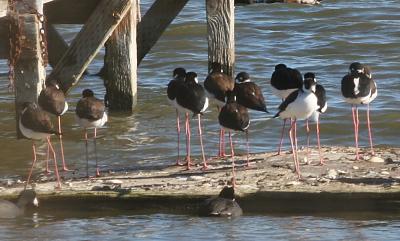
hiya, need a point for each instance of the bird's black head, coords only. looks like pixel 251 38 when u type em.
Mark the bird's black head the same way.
pixel 280 66
pixel 216 67
pixel 191 77
pixel 179 73
pixel 227 192
pixel 242 76
pixel 87 93
pixel 309 84
pixel 356 67
pixel 27 196
pixel 52 82
pixel 309 75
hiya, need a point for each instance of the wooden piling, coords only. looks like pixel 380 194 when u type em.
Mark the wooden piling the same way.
pixel 120 64
pixel 29 68
pixel 154 23
pixel 100 25
pixel 221 34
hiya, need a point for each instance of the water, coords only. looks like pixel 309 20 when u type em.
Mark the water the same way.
pixel 324 39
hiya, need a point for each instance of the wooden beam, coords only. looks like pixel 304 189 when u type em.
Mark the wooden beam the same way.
pixel 221 34
pixel 61 12
pixel 56 45
pixel 120 64
pixel 4 39
pixel 29 70
pixel 89 40
pixel 154 23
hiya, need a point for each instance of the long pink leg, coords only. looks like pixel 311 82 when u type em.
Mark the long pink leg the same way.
pixel 308 140
pixel 297 156
pixel 95 152
pixel 248 147
pixel 188 141
pixel 321 159
pixel 33 164
pixel 201 143
pixel 55 163
pixel 61 145
pixel 353 110
pixel 233 161
pixel 86 153
pixel 369 131
pixel 291 130
pixel 221 152
pixel 281 141
pixel 47 160
pixel 178 130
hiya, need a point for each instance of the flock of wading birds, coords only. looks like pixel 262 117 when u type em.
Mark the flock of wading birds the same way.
pixel 302 98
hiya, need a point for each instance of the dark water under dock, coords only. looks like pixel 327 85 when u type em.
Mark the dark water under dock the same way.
pixel 323 39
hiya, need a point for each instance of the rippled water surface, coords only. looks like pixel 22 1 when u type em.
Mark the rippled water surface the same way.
pixel 324 39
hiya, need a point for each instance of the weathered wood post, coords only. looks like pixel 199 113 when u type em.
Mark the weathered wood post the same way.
pixel 221 34
pixel 29 67
pixel 120 63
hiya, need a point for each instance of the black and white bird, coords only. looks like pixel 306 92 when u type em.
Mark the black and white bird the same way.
pixel 300 104
pixel 358 88
pixel 322 107
pixel 284 81
pixel 90 113
pixel 191 98
pixel 52 100
pixel 35 124
pixel 13 210
pixel 178 80
pixel 248 93
pixel 217 84
pixel 234 117
pixel 224 205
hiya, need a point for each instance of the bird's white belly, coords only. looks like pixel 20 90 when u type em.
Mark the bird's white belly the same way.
pixel 304 106
pixel 85 123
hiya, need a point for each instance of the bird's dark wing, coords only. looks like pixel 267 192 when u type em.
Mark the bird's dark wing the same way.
pixel 37 120
pixel 52 100
pixel 249 95
pixel 321 96
pixel 291 98
pixel 90 108
pixel 218 84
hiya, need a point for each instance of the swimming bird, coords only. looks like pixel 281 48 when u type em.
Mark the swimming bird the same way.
pixel 217 84
pixel 300 104
pixel 179 75
pixel 224 205
pixel 191 97
pixel 13 210
pixel 234 117
pixel 52 100
pixel 284 81
pixel 358 88
pixel 90 113
pixel 322 107
pixel 248 93
pixel 35 124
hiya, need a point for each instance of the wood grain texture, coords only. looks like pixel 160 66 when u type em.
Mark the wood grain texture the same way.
pixel 105 18
pixel 30 73
pixel 221 34
pixel 154 23
pixel 120 64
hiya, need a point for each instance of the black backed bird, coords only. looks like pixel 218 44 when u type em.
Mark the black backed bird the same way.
pixel 52 100
pixel 224 205
pixel 90 113
pixel 234 117
pixel 284 81
pixel 179 75
pixel 191 97
pixel 358 88
pixel 35 124
pixel 217 84
pixel 300 104
pixel 248 93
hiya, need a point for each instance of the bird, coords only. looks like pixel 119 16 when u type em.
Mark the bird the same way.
pixel 90 113
pixel 35 124
pixel 234 117
pixel 217 84
pixel 359 88
pixel 52 100
pixel 12 210
pixel 300 104
pixel 248 93
pixel 322 107
pixel 179 75
pixel 284 81
pixel 224 205
pixel 191 97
